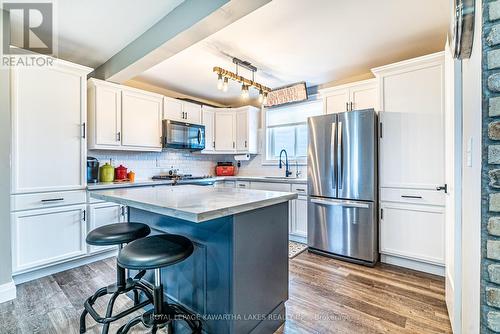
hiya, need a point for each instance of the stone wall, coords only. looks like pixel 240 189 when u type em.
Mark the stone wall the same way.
pixel 490 278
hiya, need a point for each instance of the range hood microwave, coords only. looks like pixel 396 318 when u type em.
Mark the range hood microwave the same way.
pixel 182 135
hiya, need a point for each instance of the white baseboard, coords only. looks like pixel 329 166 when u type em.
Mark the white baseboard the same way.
pixel 7 292
pixel 412 264
pixel 46 271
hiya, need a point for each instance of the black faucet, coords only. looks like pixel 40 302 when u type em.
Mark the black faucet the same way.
pixel 287 170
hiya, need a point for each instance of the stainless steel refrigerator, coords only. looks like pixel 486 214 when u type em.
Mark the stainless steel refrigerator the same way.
pixel 342 180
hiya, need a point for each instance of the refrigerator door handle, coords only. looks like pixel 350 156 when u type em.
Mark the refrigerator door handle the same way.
pixel 340 153
pixel 348 204
pixel 333 165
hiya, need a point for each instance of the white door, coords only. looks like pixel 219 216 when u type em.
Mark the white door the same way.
pixel 453 172
pixel 141 120
pixel 192 113
pixel 172 109
pixel 337 101
pixel 412 142
pixel 108 111
pixel 363 97
pixel 299 223
pixel 49 112
pixel 412 231
pixel 242 131
pixel 224 131
pixel 209 122
pixel 104 214
pixel 46 236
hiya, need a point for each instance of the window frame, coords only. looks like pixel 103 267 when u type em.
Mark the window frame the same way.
pixel 275 162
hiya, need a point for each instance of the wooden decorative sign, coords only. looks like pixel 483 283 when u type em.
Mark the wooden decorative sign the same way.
pixel 293 93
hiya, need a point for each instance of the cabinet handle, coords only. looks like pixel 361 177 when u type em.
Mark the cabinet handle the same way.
pixel 347 106
pixel 84 215
pixel 122 211
pixel 118 136
pixel 381 214
pixel 214 144
pixel 352 106
pixel 50 200
pixel 410 196
pixel 84 129
pixel 234 145
pixel 245 143
pixel 298 189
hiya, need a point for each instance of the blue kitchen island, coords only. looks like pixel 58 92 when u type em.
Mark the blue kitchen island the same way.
pixel 236 280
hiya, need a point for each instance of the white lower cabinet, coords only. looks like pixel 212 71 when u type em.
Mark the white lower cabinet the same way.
pixel 412 231
pixel 106 213
pixel 299 217
pixel 45 236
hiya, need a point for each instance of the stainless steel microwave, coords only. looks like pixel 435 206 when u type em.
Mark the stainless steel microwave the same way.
pixel 182 135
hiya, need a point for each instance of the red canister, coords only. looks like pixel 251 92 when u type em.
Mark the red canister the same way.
pixel 120 173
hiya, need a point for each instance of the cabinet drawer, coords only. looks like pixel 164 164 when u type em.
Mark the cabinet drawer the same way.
pixel 414 232
pixel 414 196
pixel 300 189
pixel 270 186
pixel 47 200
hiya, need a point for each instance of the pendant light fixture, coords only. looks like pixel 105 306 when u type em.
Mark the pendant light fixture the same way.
pixel 223 77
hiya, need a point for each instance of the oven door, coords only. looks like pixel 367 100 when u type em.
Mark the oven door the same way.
pixel 183 135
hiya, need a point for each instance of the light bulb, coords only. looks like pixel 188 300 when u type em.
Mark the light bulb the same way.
pixel 244 91
pixel 225 85
pixel 219 82
pixel 261 96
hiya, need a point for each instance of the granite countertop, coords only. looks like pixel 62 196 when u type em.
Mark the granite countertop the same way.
pixel 193 203
pixel 150 182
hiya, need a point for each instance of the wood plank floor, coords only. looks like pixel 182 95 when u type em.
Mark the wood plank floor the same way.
pixel 326 296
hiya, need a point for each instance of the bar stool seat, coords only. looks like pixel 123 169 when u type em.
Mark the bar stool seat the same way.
pixel 117 234
pixel 155 252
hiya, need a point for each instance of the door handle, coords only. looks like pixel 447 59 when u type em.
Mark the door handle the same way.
pixel 341 156
pixel 333 161
pixel 347 204
pixel 445 188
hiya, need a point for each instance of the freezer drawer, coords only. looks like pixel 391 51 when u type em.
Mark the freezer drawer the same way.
pixel 343 228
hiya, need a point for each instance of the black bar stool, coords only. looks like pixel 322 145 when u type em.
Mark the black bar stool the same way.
pixel 156 252
pixel 116 234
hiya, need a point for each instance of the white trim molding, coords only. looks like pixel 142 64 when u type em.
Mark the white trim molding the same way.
pixel 7 291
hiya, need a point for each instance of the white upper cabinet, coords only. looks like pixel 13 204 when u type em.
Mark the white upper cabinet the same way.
pixel 48 128
pixel 141 119
pixel 192 113
pixel 208 119
pixel 105 106
pixel 123 118
pixel 225 139
pixel 172 109
pixel 412 123
pixel 247 119
pixel 181 111
pixel 348 97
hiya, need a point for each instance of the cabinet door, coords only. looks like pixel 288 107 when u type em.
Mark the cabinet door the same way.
pixel 224 131
pixel 172 109
pixel 337 101
pixel 45 236
pixel 107 115
pixel 412 231
pixel 363 97
pixel 242 131
pixel 299 220
pixel 141 120
pixel 192 113
pixel 48 115
pixel 412 117
pixel 104 214
pixel 209 122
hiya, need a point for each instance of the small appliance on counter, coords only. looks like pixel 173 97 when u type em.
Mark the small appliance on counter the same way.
pixel 92 170
pixel 225 169
pixel 106 173
pixel 121 173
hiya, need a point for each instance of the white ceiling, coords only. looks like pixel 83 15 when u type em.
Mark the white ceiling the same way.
pixel 317 41
pixel 89 32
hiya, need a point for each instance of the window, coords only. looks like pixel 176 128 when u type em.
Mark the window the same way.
pixel 286 128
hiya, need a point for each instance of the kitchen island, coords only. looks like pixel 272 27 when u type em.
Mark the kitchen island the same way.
pixel 236 280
